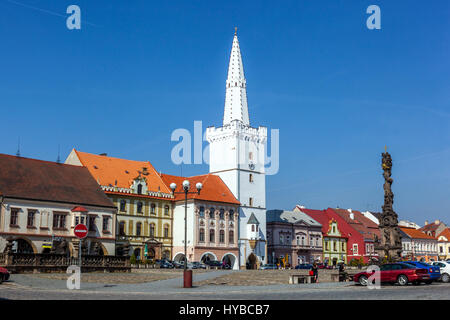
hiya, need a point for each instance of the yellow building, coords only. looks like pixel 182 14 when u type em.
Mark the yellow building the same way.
pixel 143 202
pixel 444 244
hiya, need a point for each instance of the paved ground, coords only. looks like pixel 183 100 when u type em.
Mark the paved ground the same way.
pixel 36 287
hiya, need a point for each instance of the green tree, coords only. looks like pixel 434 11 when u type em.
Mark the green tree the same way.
pixel 133 259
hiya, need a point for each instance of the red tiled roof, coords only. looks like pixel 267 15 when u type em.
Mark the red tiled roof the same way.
pixel 445 233
pixel 324 218
pixel 34 179
pixel 430 227
pixel 214 189
pixel 415 234
pixel 79 209
pixel 366 227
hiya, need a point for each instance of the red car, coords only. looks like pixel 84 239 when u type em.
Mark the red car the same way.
pixel 4 274
pixel 400 273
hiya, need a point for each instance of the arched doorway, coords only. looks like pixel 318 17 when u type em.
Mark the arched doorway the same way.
pixel 178 257
pixel 230 260
pixel 22 246
pixel 137 253
pixel 97 249
pixel 150 254
pixel 251 261
pixel 208 256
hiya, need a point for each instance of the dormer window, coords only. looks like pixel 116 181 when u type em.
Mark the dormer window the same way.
pixel 139 189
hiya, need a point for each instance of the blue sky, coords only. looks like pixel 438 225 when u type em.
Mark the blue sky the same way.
pixel 338 92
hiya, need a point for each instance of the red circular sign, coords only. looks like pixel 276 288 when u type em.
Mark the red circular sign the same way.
pixel 80 231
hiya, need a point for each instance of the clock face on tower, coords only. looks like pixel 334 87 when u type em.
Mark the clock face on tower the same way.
pixel 251 165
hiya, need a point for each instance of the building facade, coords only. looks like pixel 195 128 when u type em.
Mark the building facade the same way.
pixel 443 239
pixel 418 246
pixel 212 222
pixel 41 202
pixel 294 235
pixel 144 203
pixel 237 153
pixel 334 234
pixel 363 237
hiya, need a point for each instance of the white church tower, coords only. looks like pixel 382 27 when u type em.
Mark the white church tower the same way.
pixel 237 155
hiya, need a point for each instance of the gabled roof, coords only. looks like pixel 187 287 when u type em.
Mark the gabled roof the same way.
pixel 214 189
pixel 34 179
pixel 445 233
pixel 415 234
pixel 252 219
pixel 284 216
pixel 366 227
pixel 325 217
pixel 116 172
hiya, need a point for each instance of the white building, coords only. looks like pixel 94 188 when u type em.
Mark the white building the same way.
pixel 408 224
pixel 371 216
pixel 41 202
pixel 237 153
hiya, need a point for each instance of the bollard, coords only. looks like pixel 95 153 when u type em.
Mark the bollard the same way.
pixel 187 279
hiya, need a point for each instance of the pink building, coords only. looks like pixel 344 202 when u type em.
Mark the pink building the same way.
pixel 295 235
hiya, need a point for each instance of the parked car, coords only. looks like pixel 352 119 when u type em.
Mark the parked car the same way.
pixel 305 266
pixel 445 270
pixel 269 266
pixel 401 273
pixel 4 275
pixel 214 263
pixel 198 265
pixel 178 264
pixel 165 264
pixel 434 271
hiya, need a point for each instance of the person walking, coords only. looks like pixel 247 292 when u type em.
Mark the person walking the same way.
pixel 315 272
pixel 342 273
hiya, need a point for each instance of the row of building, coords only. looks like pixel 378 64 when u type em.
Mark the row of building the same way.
pixel 339 235
pixel 129 208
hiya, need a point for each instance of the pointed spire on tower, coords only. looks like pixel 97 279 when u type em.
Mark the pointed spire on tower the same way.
pixel 18 148
pixel 236 107
pixel 58 160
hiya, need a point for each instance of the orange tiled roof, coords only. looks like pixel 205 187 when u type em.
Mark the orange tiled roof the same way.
pixel 109 171
pixel 214 189
pixel 445 233
pixel 416 234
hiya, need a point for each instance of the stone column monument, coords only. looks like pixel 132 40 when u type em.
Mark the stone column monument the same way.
pixel 389 246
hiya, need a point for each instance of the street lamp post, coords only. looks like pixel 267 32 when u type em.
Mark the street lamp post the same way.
pixel 187 274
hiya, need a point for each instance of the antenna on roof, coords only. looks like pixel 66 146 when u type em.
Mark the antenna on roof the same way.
pixel 58 160
pixel 18 148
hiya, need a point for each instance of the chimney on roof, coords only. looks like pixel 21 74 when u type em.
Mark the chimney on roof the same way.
pixel 437 222
pixel 349 210
pixel 103 154
pixel 426 222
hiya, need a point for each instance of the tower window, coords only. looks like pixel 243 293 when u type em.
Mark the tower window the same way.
pixel 250 201
pixel 250 177
pixel 250 155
